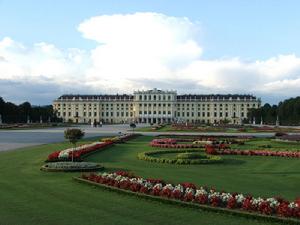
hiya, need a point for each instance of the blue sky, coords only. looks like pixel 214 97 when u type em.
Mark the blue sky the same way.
pixel 227 31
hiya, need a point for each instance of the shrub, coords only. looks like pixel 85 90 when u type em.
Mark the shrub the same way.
pixel 71 166
pixel 205 159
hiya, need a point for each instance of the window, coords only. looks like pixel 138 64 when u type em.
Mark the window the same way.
pixel 95 113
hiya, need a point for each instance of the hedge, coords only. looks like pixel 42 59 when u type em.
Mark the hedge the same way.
pixel 71 166
pixel 147 156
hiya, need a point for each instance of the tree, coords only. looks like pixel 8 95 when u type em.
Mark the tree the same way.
pixel 73 135
pixel 132 125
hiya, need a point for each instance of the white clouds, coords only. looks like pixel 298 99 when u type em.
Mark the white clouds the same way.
pixel 40 60
pixel 143 50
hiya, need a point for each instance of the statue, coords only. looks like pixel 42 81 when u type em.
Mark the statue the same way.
pixel 41 119
pixel 277 121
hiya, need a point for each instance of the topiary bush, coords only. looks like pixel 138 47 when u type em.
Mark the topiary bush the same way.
pixel 202 159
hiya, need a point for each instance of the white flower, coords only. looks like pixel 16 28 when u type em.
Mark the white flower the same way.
pixel 257 201
pixel 158 186
pixel 190 191
pixel 225 197
pixel 168 186
pixel 179 187
pixel 201 191
pixel 272 202
pixel 293 205
pixel 240 198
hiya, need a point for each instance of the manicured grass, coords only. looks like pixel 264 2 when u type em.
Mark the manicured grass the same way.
pixel 261 176
pixel 30 196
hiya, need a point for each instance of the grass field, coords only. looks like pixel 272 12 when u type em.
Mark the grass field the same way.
pixel 30 196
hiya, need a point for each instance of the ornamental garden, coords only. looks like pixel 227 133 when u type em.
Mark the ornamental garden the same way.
pixel 135 179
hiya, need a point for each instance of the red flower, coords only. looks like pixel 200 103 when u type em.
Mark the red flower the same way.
pixel 232 203
pixel 215 201
pixel 202 199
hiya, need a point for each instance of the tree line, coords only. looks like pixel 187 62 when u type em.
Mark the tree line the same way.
pixel 12 113
pixel 287 112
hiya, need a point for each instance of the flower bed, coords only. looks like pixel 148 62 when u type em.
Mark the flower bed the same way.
pixel 82 150
pixel 78 152
pixel 71 166
pixel 210 149
pixel 288 154
pixel 172 143
pixel 188 192
pixel 206 159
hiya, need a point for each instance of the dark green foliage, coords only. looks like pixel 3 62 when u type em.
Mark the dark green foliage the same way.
pixel 12 113
pixel 73 135
pixel 287 111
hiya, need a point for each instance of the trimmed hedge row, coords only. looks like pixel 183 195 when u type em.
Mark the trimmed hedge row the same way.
pixel 71 166
pixel 207 208
pixel 147 156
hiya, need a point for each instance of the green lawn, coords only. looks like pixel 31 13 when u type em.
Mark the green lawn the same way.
pixel 30 196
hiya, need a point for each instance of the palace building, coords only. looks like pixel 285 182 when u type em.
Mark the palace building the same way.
pixel 154 106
